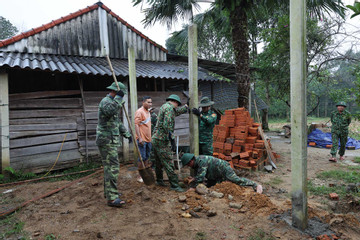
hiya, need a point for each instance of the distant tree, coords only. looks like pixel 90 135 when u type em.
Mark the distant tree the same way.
pixel 355 8
pixel 7 30
pixel 213 44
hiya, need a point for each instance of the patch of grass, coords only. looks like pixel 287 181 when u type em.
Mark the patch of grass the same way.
pixel 51 237
pixel 200 236
pixel 19 175
pixel 275 181
pixel 260 234
pixel 357 160
pixel 12 227
pixel 325 190
pixel 351 176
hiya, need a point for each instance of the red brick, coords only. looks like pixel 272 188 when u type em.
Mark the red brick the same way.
pixel 215 154
pixel 244 155
pixel 249 146
pixel 253 131
pixel 313 144
pixel 255 154
pixel 334 196
pixel 259 141
pixel 329 146
pixel 256 125
pixel 250 140
pixel 243 163
pixel 236 149
pixel 235 161
pixel 239 142
pixel 259 145
pixel 241 136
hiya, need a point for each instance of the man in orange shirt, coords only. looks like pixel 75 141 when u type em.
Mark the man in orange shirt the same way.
pixel 143 131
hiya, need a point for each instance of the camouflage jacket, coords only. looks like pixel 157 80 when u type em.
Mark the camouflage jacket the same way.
pixel 109 125
pixel 340 121
pixel 206 126
pixel 166 121
pixel 218 170
pixel 210 168
pixel 153 122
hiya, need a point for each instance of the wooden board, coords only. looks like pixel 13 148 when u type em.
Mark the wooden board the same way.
pixel 27 151
pixel 15 114
pixel 21 134
pixel 43 94
pixel 46 103
pixel 42 127
pixel 33 141
pixel 43 162
pixel 49 120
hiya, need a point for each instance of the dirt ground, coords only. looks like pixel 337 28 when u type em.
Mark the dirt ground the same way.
pixel 80 212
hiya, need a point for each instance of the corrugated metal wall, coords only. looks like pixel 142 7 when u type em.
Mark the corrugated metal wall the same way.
pixel 119 38
pixel 78 36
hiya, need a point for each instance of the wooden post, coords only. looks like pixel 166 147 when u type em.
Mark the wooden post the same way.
pixel 4 122
pixel 193 89
pixel 85 118
pixel 298 113
pixel 133 90
pixel 125 146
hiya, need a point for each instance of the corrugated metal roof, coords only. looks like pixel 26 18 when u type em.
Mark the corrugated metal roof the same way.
pixel 98 66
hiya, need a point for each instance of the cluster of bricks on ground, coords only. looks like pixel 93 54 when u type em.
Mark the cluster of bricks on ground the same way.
pixel 236 139
pixel 327 237
pixel 334 196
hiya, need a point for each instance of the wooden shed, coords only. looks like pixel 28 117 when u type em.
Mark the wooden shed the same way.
pixel 52 79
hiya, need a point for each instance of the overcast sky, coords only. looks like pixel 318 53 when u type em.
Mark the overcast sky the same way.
pixel 27 14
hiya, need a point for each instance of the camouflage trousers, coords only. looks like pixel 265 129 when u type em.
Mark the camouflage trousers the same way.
pixel 206 149
pixel 163 155
pixel 109 154
pixel 336 136
pixel 230 175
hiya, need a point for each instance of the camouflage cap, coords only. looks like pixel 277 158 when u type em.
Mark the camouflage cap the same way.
pixel 205 102
pixel 186 158
pixel 342 103
pixel 114 87
pixel 174 97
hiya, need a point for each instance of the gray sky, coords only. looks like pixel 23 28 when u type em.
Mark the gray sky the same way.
pixel 27 14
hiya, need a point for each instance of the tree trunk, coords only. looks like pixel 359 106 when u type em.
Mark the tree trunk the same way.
pixel 238 21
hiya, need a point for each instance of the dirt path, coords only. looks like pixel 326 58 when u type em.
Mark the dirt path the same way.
pixel 79 212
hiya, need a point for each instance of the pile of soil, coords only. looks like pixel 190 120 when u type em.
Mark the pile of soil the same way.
pixel 251 200
pixel 194 200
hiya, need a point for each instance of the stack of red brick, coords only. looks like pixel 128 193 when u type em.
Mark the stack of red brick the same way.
pixel 236 139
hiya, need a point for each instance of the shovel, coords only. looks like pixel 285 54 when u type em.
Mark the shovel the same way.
pixel 145 172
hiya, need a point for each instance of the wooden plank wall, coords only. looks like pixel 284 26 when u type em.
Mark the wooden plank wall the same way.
pixel 92 100
pixel 38 124
pixel 40 120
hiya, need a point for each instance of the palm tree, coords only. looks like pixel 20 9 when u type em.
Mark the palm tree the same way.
pixel 237 11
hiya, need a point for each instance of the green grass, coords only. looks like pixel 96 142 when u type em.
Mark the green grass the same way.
pixel 51 237
pixel 261 235
pixel 275 181
pixel 200 236
pixel 12 227
pixel 19 175
pixel 357 160
pixel 325 190
pixel 352 176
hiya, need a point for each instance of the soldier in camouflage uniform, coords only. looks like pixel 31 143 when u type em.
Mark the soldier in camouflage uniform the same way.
pixel 164 130
pixel 207 120
pixel 215 171
pixel 108 133
pixel 153 124
pixel 340 120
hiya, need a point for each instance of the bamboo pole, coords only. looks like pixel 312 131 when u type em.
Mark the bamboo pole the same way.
pixel 85 119
pixel 298 113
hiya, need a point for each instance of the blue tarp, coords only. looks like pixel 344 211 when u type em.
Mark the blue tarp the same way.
pixel 322 139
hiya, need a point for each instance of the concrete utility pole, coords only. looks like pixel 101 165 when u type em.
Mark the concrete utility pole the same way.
pixel 4 122
pixel 133 90
pixel 193 89
pixel 298 113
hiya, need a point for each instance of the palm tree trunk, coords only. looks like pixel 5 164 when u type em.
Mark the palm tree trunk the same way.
pixel 238 21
